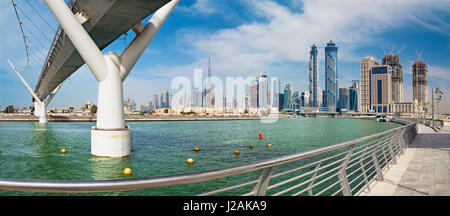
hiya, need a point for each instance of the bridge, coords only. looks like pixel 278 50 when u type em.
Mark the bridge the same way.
pixel 87 27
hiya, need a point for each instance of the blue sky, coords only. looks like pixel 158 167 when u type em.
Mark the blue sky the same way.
pixel 245 37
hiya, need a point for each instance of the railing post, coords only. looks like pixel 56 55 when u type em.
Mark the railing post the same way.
pixel 407 139
pixel 257 185
pixel 362 166
pixel 343 175
pixel 375 160
pixel 399 142
pixel 384 155
pixel 391 151
pixel 265 182
pixel 313 178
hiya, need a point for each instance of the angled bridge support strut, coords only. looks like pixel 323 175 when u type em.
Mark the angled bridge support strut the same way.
pixel 40 106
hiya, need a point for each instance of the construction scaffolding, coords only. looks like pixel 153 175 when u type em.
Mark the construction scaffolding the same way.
pixel 397 76
pixel 420 83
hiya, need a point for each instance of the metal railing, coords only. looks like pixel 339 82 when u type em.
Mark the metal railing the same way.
pixel 435 124
pixel 346 169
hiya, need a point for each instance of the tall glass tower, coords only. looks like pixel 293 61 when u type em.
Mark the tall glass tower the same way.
pixel 263 91
pixel 274 92
pixel 331 76
pixel 287 96
pixel 313 77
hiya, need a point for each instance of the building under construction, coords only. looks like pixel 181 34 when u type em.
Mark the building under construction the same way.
pixel 420 83
pixel 397 76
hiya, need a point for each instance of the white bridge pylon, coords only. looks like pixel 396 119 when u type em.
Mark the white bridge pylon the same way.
pixel 39 105
pixel 110 137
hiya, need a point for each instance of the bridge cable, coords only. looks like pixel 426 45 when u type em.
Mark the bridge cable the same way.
pixel 35 37
pixel 37 49
pixel 24 38
pixel 40 15
pixel 46 37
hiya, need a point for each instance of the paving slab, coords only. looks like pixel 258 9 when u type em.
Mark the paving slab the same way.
pixel 422 170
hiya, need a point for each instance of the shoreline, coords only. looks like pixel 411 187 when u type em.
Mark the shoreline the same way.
pixel 22 118
pixel 132 119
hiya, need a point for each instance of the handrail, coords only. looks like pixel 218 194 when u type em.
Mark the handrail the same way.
pixel 88 186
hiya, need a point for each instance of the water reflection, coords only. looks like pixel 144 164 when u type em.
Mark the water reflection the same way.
pixel 43 141
pixel 109 168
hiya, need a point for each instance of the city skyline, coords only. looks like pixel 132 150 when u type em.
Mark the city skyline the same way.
pixel 212 36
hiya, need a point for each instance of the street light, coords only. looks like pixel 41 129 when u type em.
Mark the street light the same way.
pixel 439 94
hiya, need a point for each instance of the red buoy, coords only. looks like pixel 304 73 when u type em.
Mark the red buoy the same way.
pixel 260 135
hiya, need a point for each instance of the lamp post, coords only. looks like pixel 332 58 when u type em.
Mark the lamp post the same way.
pixel 439 94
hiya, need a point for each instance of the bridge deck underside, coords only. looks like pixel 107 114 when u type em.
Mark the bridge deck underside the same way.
pixel 108 20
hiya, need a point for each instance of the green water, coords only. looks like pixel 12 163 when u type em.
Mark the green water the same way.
pixel 32 151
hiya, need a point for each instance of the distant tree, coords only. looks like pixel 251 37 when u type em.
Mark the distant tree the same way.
pixel 9 109
pixel 93 109
pixel 166 110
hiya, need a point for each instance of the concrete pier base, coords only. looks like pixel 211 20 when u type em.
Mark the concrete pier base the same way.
pixel 110 143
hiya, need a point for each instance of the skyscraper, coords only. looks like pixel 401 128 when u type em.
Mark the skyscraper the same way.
pixel 295 99
pixel 274 93
pixel 304 98
pixel 281 101
pixel 344 98
pixel 156 103
pixel 209 92
pixel 331 76
pixel 355 96
pixel 287 97
pixel 196 97
pixel 313 77
pixel 397 76
pixel 162 103
pixel 353 99
pixel 253 94
pixel 263 91
pixel 381 88
pixel 167 99
pixel 420 82
pixel 366 64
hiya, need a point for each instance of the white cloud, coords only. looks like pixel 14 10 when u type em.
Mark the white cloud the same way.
pixel 203 7
pixel 286 34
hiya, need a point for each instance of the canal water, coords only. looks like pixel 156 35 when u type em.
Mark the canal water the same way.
pixel 32 151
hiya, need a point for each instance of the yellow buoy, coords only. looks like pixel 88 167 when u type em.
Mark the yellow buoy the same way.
pixel 190 161
pixel 270 145
pixel 63 150
pixel 251 146
pixel 237 151
pixel 127 171
pixel 196 149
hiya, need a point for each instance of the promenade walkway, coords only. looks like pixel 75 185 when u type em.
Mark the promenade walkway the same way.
pixel 423 169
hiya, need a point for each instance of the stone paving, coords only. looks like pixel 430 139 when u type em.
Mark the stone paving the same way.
pixel 423 169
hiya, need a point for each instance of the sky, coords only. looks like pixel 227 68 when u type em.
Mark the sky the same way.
pixel 244 38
